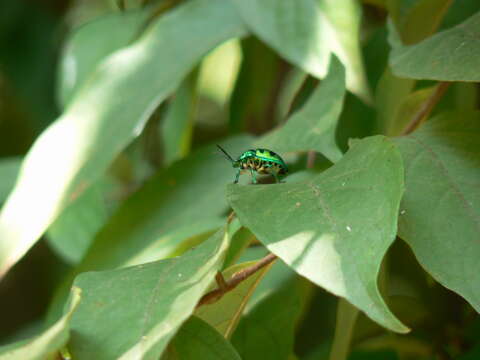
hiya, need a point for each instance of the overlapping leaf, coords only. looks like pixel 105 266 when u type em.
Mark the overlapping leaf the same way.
pixel 305 32
pixel 144 305
pixel 109 110
pixel 451 55
pixel 335 228
pixel 313 126
pixel 440 212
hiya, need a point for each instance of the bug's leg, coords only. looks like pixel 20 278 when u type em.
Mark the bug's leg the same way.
pixel 275 175
pixel 254 177
pixel 237 176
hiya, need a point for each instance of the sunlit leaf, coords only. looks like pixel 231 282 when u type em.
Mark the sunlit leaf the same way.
pixel 440 212
pixel 47 343
pixel 88 45
pixel 305 32
pixel 313 126
pixel 105 115
pixel 143 306
pixel 341 222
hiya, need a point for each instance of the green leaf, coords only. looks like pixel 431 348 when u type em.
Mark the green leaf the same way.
pixel 225 313
pixel 134 312
pixel 198 340
pixel 9 169
pixel 106 115
pixel 185 200
pixel 305 32
pixel 442 162
pixel 341 222
pixel 88 45
pixel 451 55
pixel 47 343
pixel 313 126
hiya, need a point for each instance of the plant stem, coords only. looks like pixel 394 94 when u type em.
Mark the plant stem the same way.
pixel 426 108
pixel 225 286
pixel 346 318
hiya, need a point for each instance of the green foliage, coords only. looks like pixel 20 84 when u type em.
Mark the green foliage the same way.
pixel 122 211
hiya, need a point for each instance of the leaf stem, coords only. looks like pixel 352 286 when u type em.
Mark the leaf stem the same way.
pixel 426 108
pixel 225 286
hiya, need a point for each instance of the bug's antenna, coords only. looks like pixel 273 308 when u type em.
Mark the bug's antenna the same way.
pixel 226 154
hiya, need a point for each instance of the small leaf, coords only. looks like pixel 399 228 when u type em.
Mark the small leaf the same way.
pixel 225 313
pixel 306 32
pixel 143 306
pixel 336 228
pixel 451 55
pixel 440 212
pixel 109 111
pixel 47 343
pixel 198 340
pixel 313 126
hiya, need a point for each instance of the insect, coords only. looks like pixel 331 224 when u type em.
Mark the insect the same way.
pixel 260 161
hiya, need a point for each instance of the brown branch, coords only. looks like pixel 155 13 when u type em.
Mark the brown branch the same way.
pixel 426 107
pixel 234 281
pixel 311 159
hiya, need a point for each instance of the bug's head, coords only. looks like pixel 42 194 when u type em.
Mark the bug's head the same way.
pixel 235 163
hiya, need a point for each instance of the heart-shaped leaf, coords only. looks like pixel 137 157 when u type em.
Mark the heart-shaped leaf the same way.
pixel 335 228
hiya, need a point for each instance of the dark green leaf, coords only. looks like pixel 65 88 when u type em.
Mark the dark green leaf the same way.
pixel 341 222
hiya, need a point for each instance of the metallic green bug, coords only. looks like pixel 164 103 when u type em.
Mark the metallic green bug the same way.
pixel 260 161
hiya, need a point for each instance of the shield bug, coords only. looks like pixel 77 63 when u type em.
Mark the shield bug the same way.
pixel 261 161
